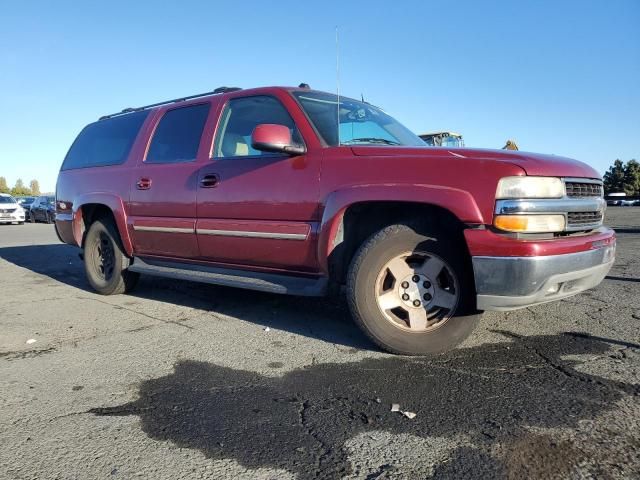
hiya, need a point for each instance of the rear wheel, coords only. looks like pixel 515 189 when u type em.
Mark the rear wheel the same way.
pixel 105 261
pixel 412 293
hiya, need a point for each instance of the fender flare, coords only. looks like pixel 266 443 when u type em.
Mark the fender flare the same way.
pixel 111 201
pixel 459 202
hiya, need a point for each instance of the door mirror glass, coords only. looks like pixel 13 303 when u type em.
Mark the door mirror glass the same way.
pixel 270 137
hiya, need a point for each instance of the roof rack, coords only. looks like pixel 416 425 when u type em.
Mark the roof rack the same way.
pixel 217 91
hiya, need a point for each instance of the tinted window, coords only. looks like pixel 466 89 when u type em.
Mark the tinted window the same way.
pixel 177 137
pixel 241 116
pixel 106 142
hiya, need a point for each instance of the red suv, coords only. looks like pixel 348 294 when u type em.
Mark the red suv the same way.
pixel 291 190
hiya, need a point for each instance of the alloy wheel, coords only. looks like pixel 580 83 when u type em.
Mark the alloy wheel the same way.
pixel 417 291
pixel 104 257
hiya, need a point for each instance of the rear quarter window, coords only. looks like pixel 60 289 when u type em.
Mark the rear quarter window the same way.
pixel 105 142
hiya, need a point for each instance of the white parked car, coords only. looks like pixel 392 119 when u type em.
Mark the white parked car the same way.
pixel 10 210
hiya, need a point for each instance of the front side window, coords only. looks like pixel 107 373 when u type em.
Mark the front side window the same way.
pixel 241 116
pixel 359 122
pixel 178 134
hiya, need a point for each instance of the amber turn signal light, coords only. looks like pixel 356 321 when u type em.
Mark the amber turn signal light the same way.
pixel 530 223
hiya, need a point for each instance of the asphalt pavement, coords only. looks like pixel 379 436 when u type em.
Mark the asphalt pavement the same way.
pixel 182 380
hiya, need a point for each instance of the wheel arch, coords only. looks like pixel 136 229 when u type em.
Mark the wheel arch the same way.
pixel 89 208
pixel 351 216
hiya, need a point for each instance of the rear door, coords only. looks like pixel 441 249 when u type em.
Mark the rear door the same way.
pixel 258 209
pixel 164 184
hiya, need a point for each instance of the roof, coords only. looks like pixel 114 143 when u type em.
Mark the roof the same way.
pixel 453 134
pixel 217 91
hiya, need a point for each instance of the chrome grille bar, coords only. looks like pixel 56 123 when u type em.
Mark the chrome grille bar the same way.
pixel 583 205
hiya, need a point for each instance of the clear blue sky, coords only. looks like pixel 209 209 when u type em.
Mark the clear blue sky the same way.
pixel 559 76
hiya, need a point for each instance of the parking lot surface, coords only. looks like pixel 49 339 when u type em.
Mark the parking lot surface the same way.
pixel 181 380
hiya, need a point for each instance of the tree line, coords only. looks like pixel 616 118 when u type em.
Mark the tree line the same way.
pixel 623 177
pixel 20 189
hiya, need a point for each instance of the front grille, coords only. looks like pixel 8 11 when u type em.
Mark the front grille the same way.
pixel 7 210
pixel 580 189
pixel 584 219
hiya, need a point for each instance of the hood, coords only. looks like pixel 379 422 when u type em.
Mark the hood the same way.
pixel 531 163
pixel 9 206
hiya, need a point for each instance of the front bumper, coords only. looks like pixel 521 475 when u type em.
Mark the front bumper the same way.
pixel 509 283
pixel 12 218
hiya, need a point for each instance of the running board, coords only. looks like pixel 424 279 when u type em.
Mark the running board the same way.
pixel 264 282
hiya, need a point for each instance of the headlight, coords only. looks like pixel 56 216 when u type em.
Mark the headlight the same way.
pixel 530 187
pixel 530 223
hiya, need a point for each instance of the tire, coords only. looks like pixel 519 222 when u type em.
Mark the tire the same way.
pixel 47 217
pixel 105 262
pixel 438 277
pixel 32 218
pixel 20 223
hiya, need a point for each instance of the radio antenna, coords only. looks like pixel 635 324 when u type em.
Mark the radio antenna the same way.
pixel 338 83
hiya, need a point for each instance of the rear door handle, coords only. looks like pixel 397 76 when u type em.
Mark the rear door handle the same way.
pixel 143 184
pixel 210 181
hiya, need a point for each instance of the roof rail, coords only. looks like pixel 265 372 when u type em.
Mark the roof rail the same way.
pixel 217 91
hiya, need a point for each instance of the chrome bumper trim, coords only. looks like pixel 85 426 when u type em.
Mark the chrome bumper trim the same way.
pixel 509 283
pixel 64 217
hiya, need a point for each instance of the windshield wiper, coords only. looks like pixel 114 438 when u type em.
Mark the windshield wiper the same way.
pixel 370 140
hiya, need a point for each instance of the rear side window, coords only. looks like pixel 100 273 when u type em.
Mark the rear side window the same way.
pixel 177 136
pixel 105 142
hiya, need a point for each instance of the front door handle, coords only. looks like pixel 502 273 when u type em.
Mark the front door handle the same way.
pixel 210 181
pixel 143 184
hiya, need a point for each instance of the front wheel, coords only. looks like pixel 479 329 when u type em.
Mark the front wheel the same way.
pixel 105 261
pixel 412 293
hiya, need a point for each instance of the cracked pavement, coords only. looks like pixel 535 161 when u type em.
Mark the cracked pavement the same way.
pixel 181 380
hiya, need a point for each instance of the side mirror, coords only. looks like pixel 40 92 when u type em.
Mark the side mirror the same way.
pixel 269 137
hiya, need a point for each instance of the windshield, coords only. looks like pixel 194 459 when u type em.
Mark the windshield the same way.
pixel 452 142
pixel 24 200
pixel 443 140
pixel 360 123
pixel 7 199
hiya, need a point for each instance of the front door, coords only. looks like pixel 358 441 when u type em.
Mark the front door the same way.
pixel 257 209
pixel 164 185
